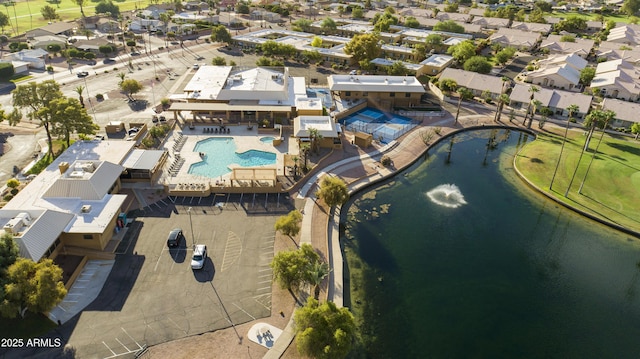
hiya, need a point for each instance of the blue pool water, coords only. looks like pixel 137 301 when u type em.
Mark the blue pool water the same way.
pixel 267 139
pixel 221 152
pixel 384 127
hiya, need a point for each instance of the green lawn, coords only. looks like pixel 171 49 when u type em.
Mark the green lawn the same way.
pixel 33 325
pixel 29 16
pixel 612 187
pixel 590 16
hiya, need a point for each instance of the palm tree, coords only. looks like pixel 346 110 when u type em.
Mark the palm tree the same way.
pixel 316 273
pixel 315 137
pixel 532 90
pixel 572 110
pixel 501 100
pixel 593 118
pixel 121 75
pixel 79 90
pixel 463 94
pixel 535 106
pixel 607 116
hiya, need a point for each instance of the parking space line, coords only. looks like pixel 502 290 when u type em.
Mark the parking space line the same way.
pixel 262 304
pixel 244 311
pixel 158 261
pixel 177 326
pixel 105 344
pixel 264 270
pixel 135 341
pixel 265 275
pixel 118 340
pixel 263 288
pixel 265 281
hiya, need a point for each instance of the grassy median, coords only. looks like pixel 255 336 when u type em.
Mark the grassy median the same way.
pixel 611 189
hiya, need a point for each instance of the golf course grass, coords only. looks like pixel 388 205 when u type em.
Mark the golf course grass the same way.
pixel 27 16
pixel 611 190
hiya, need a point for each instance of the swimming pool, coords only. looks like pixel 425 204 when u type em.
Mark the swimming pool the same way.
pixel 267 139
pixel 385 127
pixel 220 152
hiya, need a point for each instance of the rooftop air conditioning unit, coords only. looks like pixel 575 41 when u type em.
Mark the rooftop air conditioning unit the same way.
pixel 86 208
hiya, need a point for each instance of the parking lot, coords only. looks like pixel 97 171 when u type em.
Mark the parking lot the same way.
pixel 153 296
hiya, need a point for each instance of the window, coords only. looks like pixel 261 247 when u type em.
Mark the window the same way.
pixel 87 236
pixel 407 94
pixel 347 93
pixel 365 94
pixel 392 94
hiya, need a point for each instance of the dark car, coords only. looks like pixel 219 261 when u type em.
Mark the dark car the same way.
pixel 109 61
pixel 83 74
pixel 175 237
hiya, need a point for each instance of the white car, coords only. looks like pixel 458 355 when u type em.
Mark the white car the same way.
pixel 196 66
pixel 199 256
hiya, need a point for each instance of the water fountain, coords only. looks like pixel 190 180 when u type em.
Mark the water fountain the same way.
pixel 447 195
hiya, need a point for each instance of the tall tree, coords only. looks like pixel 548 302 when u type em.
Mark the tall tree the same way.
pixel 572 109
pixel 315 274
pixel 363 47
pixel 79 90
pixel 463 94
pixel 290 267
pixel 324 330
pixel 9 251
pixel 635 129
pixel 590 121
pixel 502 99
pixel 328 25
pixel 32 286
pixel 80 3
pixel 36 97
pixel 532 90
pixel 586 75
pixel 220 33
pixel 607 117
pixel 49 12
pixel 130 87
pixel 630 7
pixel 4 21
pixel 289 225
pixel 68 116
pixel 333 191
pixel 462 51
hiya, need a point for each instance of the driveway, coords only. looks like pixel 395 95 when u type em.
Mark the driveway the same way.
pixel 152 295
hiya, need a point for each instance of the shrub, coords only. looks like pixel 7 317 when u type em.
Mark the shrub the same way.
pixel 99 97
pixel 385 160
pixel 13 183
pixel 437 130
pixel 8 197
pixel 14 191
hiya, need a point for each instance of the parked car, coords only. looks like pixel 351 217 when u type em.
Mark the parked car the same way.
pixel 109 61
pixel 175 237
pixel 83 74
pixel 196 66
pixel 199 256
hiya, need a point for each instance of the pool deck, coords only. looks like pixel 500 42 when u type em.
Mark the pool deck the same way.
pixel 244 139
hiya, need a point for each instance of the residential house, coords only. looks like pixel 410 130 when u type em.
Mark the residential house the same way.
pixel 628 34
pixel 617 79
pixel 143 25
pixel 93 45
pixel 381 65
pixel 555 45
pixel 614 51
pixel 593 26
pixel 626 112
pixel 556 100
pixel 108 26
pixel 57 28
pixel 43 42
pixel 386 92
pixel 493 23
pixel 521 40
pixel 477 83
pixel 434 64
pixel 559 71
pixel 457 17
pixel 531 27
pixel 36 58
